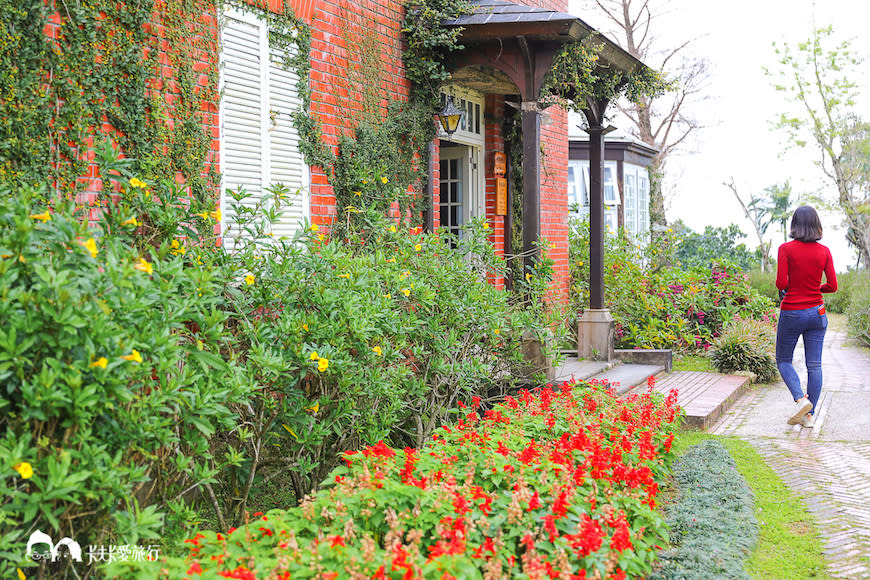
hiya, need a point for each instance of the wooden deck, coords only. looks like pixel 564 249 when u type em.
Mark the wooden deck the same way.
pixel 703 396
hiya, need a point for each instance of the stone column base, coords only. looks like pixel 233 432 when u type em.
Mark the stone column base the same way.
pixel 595 335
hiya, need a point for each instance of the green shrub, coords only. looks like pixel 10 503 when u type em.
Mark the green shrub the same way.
pixel 556 481
pixel 113 377
pixel 764 283
pixel 858 311
pixel 712 523
pixel 747 345
pixel 655 303
pixel 852 285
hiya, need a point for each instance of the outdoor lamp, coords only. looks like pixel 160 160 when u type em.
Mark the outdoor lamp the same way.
pixel 449 117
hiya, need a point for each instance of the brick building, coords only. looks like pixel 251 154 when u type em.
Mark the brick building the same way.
pixel 509 47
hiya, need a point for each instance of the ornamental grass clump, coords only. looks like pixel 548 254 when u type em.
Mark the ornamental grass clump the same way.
pixel 747 345
pixel 559 482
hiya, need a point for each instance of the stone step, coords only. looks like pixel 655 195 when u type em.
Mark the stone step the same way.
pixel 623 376
pixel 703 396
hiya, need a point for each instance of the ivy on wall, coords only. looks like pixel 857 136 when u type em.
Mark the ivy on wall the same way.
pixel 100 74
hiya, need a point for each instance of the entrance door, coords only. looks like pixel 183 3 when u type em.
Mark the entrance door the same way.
pixel 461 192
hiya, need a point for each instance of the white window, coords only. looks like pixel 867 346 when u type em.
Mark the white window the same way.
pixel 259 144
pixel 631 203
pixel 578 191
pixel 643 201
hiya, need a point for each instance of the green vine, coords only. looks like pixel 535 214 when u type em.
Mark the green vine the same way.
pixel 98 75
pixel 577 74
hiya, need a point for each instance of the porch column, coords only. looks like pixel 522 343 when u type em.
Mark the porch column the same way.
pixel 595 332
pixel 531 183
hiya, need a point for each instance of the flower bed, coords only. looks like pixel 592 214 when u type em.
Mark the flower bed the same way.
pixel 560 482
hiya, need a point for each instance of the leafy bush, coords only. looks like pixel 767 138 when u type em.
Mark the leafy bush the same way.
pixel 694 250
pixel 712 522
pixel 560 481
pixel 764 283
pixel 109 394
pixel 154 379
pixel 747 345
pixel 654 303
pixel 852 285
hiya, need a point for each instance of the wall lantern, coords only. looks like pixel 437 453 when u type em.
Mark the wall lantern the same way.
pixel 449 117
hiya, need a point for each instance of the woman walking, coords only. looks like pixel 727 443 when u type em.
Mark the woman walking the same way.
pixel 799 270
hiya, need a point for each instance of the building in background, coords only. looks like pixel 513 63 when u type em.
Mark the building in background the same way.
pixel 626 179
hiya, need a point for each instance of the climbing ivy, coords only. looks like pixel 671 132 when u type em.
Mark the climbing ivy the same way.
pixel 98 75
pixel 577 74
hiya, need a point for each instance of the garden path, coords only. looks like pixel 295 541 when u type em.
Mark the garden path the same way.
pixel 829 465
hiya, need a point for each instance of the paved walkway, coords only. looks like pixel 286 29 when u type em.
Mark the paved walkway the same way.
pixel 828 465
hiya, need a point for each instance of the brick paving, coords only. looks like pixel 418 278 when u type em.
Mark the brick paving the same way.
pixel 829 465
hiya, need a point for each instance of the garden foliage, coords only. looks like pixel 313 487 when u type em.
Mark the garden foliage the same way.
pixel 747 345
pixel 654 301
pixel 557 482
pixel 712 521
pixel 153 378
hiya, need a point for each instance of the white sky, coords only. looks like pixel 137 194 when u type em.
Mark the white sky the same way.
pixel 736 37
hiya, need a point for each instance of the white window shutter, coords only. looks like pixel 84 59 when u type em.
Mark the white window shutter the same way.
pixel 285 159
pixel 259 144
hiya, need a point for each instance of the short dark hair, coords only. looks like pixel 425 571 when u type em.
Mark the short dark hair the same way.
pixel 806 225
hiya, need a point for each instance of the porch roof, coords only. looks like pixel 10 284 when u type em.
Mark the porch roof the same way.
pixel 499 19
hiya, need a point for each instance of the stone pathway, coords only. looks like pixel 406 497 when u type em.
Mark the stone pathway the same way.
pixel 829 465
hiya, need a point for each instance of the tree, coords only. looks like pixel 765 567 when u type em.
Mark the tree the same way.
pixel 660 121
pixel 821 82
pixel 756 212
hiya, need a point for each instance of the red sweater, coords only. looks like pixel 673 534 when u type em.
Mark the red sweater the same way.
pixel 799 272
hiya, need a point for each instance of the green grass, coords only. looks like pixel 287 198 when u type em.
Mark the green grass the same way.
pixel 788 545
pixel 693 362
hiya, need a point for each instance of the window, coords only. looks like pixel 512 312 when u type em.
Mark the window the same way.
pixel 643 201
pixel 451 211
pixel 630 203
pixel 259 144
pixel 578 179
pixel 610 197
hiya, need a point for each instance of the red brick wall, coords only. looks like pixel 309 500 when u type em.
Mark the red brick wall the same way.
pixel 336 61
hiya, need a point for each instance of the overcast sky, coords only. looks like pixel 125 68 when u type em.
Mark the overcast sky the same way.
pixel 736 37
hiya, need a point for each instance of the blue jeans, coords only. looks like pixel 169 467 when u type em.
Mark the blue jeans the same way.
pixel 791 325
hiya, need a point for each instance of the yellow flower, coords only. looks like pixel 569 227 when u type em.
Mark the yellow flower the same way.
pixel 322 364
pixel 387 295
pixel 315 407
pixel 130 222
pixel 320 237
pixel 289 430
pixel 90 246
pixel 393 229
pixel 497 331
pixel 384 180
pixel 24 469
pixel 100 362
pixel 528 276
pixel 216 214
pixel 133 356
pixel 314 227
pixel 357 193
pixel 136 182
pixel 344 275
pixel 314 355
pixel 670 230
pixel 22 259
pixel 43 217
pixel 417 247
pixel 177 248
pixel 405 274
pixel 144 265
pixel 378 350
pixel 486 225
pixel 580 262
pixel 249 279
pixel 21 575
pixel 390 260
pixel 304 327
pixel 406 292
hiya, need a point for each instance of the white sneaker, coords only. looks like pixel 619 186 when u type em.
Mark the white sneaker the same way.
pixel 801 407
pixel 808 421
